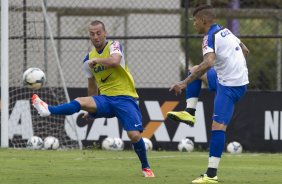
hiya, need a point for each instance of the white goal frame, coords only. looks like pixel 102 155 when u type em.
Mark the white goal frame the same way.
pixel 4 73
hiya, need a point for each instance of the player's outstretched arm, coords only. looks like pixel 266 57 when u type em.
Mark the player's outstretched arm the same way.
pixel 203 67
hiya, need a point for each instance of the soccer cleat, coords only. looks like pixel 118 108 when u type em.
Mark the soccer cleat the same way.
pixel 205 179
pixel 40 106
pixel 148 173
pixel 181 116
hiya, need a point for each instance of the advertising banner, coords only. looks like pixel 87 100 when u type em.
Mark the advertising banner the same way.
pixel 256 122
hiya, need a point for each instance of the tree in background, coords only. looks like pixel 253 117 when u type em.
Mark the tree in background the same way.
pixel 262 61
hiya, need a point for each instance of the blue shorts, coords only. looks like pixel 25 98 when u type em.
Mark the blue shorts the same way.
pixel 125 108
pixel 225 98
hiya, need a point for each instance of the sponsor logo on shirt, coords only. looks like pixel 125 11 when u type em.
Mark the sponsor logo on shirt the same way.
pixel 225 33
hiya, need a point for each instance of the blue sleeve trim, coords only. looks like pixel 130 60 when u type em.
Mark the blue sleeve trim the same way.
pixel 211 34
pixel 86 58
pixel 211 41
pixel 120 47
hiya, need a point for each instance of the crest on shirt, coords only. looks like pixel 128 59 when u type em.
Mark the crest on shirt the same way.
pixel 205 43
pixel 116 46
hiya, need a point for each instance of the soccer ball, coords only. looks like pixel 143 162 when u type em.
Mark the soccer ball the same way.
pixel 234 147
pixel 148 144
pixel 186 145
pixel 108 143
pixel 119 143
pixel 51 142
pixel 34 142
pixel 113 144
pixel 34 78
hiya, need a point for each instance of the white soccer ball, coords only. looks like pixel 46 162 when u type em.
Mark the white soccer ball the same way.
pixel 34 78
pixel 234 147
pixel 51 143
pixel 113 144
pixel 148 144
pixel 34 142
pixel 186 145
pixel 107 143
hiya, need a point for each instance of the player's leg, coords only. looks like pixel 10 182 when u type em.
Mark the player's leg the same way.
pixel 192 96
pixel 128 112
pixel 218 129
pixel 140 149
pixel 224 102
pixel 80 103
pixel 217 141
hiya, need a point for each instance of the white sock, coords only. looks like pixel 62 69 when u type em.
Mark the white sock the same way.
pixel 192 102
pixel 213 162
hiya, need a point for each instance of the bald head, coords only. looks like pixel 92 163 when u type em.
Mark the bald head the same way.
pixel 97 22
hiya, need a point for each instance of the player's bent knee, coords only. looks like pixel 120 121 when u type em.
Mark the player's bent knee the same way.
pixel 86 102
pixel 218 126
pixel 204 78
pixel 134 136
pixel 80 100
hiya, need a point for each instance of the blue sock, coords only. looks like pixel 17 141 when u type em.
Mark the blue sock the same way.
pixel 65 109
pixel 140 150
pixel 217 143
pixel 193 89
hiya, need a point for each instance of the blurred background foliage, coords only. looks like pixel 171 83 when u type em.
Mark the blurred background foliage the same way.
pixel 261 35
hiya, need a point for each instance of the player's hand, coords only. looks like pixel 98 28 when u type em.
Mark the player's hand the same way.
pixel 92 62
pixel 85 116
pixel 177 87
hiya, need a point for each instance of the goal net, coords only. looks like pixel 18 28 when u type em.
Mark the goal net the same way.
pixel 31 45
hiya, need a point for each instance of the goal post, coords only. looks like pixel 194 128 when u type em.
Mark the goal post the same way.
pixel 28 39
pixel 4 73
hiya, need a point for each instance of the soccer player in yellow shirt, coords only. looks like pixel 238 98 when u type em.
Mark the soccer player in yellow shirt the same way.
pixel 107 72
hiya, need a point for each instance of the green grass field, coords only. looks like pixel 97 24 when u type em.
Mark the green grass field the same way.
pixel 105 167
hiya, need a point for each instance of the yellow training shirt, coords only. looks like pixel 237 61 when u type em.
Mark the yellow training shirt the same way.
pixel 111 81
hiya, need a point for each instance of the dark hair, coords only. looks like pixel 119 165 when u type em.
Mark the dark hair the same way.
pixel 97 22
pixel 204 10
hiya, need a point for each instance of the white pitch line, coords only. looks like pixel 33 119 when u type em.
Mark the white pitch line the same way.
pixel 169 156
pixel 149 157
